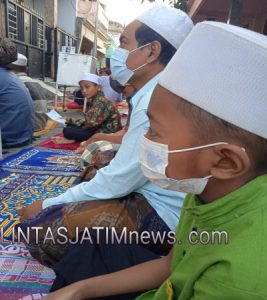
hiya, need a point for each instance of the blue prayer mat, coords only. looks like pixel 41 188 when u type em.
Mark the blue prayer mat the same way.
pixel 3 174
pixel 18 190
pixel 43 160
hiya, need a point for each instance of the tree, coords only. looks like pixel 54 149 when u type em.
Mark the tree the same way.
pixel 180 4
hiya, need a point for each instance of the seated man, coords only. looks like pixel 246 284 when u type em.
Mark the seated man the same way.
pixel 120 195
pixel 16 108
pixel 19 67
pixel 210 140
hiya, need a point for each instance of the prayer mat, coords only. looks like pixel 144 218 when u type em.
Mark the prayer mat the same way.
pixel 43 160
pixel 59 107
pixel 50 144
pixel 3 174
pixel 21 276
pixel 38 296
pixel 18 190
pixel 74 105
pixel 50 125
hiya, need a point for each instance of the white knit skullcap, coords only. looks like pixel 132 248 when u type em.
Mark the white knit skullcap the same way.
pixel 90 77
pixel 171 23
pixel 21 61
pixel 223 69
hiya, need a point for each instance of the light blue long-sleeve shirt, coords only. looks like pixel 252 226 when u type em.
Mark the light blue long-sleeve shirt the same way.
pixel 123 175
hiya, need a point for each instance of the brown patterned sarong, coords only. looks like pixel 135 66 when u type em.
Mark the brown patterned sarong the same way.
pixel 56 222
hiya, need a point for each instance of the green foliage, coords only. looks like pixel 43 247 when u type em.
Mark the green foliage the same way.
pixel 180 4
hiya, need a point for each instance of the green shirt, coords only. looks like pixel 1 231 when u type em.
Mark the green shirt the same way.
pixel 231 270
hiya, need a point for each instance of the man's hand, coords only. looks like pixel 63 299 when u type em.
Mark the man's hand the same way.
pixel 30 210
pixel 81 148
pixel 87 174
pixel 94 138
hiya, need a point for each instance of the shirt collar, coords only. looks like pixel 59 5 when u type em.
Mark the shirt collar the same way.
pixel 250 196
pixel 148 86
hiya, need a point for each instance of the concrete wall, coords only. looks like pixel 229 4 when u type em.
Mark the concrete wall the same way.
pixel 67 15
pixel 2 19
pixel 37 5
pixel 51 12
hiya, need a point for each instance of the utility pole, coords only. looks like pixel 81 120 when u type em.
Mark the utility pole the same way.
pixel 96 29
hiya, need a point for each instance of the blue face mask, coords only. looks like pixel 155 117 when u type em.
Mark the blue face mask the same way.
pixel 118 65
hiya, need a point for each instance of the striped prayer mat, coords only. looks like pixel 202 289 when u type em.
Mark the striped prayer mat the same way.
pixel 21 276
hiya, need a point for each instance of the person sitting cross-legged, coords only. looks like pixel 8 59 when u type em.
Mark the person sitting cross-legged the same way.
pixel 100 115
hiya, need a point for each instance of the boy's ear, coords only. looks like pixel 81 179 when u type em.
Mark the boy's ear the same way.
pixel 231 161
pixel 155 50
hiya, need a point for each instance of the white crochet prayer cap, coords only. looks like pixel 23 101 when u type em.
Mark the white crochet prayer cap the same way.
pixel 21 61
pixel 90 77
pixel 171 23
pixel 223 69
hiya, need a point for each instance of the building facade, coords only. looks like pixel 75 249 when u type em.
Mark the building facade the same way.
pixel 115 29
pixel 40 28
pixel 86 30
pixel 26 27
pixel 251 14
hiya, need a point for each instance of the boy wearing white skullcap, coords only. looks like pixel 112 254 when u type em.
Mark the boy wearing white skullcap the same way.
pixel 210 140
pixel 100 115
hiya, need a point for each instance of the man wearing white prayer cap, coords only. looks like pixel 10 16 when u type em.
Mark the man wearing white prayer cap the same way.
pixel 16 109
pixel 36 89
pixel 210 140
pixel 146 46
pixel 21 61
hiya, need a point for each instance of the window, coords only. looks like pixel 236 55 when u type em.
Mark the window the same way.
pixel 24 26
pixel 40 34
pixel 12 21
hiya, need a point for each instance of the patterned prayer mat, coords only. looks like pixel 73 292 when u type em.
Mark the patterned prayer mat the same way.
pixel 50 144
pixel 43 160
pixel 3 174
pixel 18 190
pixel 21 276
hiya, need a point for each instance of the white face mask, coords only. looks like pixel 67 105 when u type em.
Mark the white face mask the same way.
pixel 118 66
pixel 153 158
